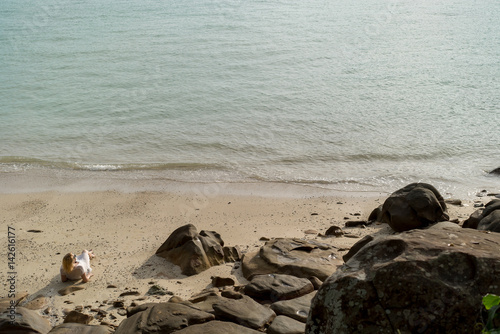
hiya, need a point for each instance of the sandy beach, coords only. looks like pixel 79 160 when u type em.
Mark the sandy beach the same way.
pixel 125 228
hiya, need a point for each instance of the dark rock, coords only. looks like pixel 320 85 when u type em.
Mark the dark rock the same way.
pixel 285 325
pixel 71 328
pixel 118 303
pixel 496 171
pixel 195 252
pixel 129 293
pixel 415 206
pixel 231 294
pixel 297 257
pixel 23 321
pixel 276 287
pixel 244 311
pixel 70 289
pixel 222 281
pixel 161 318
pixel 334 230
pixel 77 317
pixel 456 202
pixel 217 327
pixel 376 214
pixel 297 308
pixel 486 219
pixel 157 290
pixel 417 281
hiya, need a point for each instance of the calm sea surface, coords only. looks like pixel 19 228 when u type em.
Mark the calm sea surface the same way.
pixel 349 95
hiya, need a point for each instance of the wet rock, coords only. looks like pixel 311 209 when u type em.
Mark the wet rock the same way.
pixel 70 289
pixel 161 318
pixel 195 252
pixel 276 287
pixel 297 257
pixel 217 327
pixel 416 281
pixel 23 320
pixel 286 325
pixel 487 219
pixel 244 311
pixel 71 328
pixel 417 205
pixel 297 308
pixel 77 317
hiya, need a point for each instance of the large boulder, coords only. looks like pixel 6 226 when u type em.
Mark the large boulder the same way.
pixel 23 320
pixel 420 281
pixel 487 219
pixel 297 308
pixel 415 206
pixel 195 252
pixel 162 318
pixel 297 257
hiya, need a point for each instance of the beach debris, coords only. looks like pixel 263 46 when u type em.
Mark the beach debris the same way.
pixel 485 219
pixel 278 287
pixel 354 223
pixel 35 231
pixel 195 252
pixel 302 258
pixel 415 206
pixel 161 318
pixel 386 276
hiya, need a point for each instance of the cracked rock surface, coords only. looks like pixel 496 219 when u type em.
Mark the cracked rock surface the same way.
pixel 428 281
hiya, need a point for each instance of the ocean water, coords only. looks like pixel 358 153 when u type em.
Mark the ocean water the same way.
pixel 347 95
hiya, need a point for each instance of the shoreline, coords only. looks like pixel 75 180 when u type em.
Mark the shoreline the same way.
pixel 125 228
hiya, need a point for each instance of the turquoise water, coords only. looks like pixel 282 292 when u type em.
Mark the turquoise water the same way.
pixel 349 95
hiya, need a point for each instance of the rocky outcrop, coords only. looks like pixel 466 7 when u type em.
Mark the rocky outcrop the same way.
pixel 487 219
pixel 297 257
pixel 418 281
pixel 161 318
pixel 217 327
pixel 244 311
pixel 286 325
pixel 23 320
pixel 276 287
pixel 72 328
pixel 195 252
pixel 297 308
pixel 415 206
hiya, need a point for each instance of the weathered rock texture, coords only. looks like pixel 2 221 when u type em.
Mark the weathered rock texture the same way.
pixel 415 206
pixel 25 321
pixel 276 287
pixel 487 219
pixel 161 318
pixel 420 281
pixel 286 325
pixel 72 328
pixel 244 311
pixel 195 252
pixel 217 327
pixel 297 308
pixel 300 258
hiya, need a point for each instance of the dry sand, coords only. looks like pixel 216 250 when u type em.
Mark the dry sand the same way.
pixel 125 228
